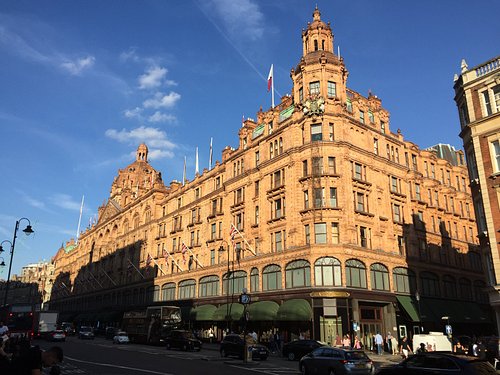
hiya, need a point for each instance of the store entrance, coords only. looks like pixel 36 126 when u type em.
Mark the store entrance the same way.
pixel 371 323
pixel 330 330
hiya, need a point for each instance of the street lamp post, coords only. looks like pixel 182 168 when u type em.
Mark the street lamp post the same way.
pixel 417 296
pixel 28 230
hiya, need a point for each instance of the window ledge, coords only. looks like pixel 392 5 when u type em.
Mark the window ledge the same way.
pixel 364 213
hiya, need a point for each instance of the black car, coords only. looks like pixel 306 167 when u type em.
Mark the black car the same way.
pixel 182 339
pixel 439 363
pixel 111 332
pixel 234 345
pixel 297 349
pixel 327 360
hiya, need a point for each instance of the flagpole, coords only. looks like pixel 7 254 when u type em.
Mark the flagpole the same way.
pixel 272 87
pixel 173 260
pixel 210 158
pixel 184 173
pixel 197 168
pixel 194 256
pixel 109 277
pixel 132 264
pixel 98 282
pixel 154 261
pixel 79 220
pixel 244 239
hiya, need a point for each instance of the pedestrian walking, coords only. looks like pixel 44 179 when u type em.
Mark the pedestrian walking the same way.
pixel 405 349
pixel 394 344
pixel 379 342
pixel 346 342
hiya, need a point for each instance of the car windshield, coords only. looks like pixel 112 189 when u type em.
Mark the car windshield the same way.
pixel 122 334
pixel 355 355
pixel 86 329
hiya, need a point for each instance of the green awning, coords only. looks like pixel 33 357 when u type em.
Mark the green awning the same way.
pixel 409 306
pixel 235 311
pixel 295 310
pixel 457 311
pixel 203 313
pixel 263 310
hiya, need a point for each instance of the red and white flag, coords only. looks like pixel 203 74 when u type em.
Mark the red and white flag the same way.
pixel 232 232
pixel 149 260
pixel 184 249
pixel 270 79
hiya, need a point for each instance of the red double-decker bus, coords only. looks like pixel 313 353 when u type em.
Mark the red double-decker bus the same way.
pixel 19 318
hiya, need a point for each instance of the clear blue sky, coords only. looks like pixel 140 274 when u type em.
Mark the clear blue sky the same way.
pixel 84 82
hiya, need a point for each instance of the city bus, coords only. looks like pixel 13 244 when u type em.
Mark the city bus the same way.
pixel 151 325
pixel 20 319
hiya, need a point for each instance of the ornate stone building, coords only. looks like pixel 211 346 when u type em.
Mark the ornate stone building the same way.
pixel 340 225
pixel 477 94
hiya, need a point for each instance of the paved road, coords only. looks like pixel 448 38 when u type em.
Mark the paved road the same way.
pixel 102 357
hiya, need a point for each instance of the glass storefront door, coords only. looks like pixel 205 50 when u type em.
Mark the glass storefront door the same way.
pixel 330 329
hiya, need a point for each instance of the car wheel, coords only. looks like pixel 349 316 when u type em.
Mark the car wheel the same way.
pixel 291 356
pixel 223 353
pixel 303 369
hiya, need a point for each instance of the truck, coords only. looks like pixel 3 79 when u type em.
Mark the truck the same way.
pixel 433 341
pixel 46 323
pixel 151 325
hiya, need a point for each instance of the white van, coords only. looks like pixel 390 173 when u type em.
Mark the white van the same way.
pixel 434 341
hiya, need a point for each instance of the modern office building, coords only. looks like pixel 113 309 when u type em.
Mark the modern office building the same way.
pixel 331 221
pixel 477 95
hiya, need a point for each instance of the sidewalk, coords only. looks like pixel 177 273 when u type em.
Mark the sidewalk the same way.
pixel 383 359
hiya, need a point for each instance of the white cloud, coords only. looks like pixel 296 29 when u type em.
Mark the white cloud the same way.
pixel 34 202
pixel 153 137
pixel 133 113
pixel 161 117
pixel 160 154
pixel 152 78
pixel 78 66
pixel 65 201
pixel 130 55
pixel 161 100
pixel 240 17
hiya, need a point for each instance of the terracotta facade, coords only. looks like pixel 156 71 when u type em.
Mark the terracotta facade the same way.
pixel 331 207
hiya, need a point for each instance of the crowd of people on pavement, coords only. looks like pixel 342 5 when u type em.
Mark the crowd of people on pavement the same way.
pixel 19 357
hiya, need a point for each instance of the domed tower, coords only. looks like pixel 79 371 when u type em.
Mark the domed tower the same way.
pixel 135 180
pixel 320 73
pixel 142 153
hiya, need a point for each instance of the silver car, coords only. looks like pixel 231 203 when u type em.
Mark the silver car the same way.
pixel 328 361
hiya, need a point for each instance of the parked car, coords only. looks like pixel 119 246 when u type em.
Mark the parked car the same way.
pixel 439 363
pixel 327 360
pixel 298 348
pixel 57 335
pixel 121 337
pixel 86 332
pixel 182 339
pixel 234 345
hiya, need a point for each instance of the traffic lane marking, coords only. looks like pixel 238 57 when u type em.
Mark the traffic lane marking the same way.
pixel 117 366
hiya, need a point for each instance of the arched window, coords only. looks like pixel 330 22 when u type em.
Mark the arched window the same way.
pixel 136 221
pixel 147 215
pixel 298 274
pixel 276 148
pixel 479 291
pixel 379 277
pixel 187 289
pixel 208 286
pixel 355 272
pixel 449 286
pixel 430 284
pixel 254 280
pixel 168 292
pixel 404 280
pixel 465 286
pixel 126 227
pixel 271 277
pixel 271 154
pixel 327 272
pixel 281 145
pixel 237 281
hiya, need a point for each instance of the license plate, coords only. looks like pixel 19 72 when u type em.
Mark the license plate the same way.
pixel 360 365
